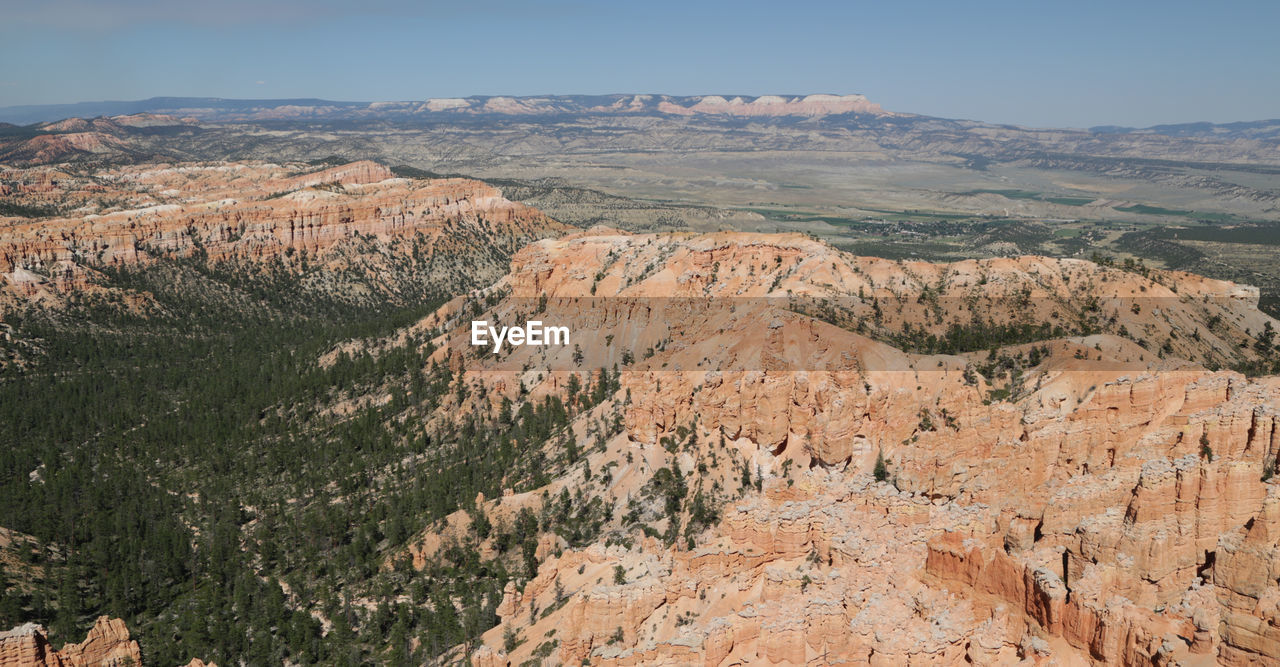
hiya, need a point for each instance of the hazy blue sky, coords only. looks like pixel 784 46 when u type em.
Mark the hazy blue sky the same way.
pixel 1035 63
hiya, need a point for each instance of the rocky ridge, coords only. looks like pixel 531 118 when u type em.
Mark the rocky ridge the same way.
pixel 250 212
pixel 638 284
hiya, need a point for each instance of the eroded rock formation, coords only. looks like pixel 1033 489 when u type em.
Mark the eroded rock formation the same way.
pixel 257 212
pixel 1106 504
pixel 107 645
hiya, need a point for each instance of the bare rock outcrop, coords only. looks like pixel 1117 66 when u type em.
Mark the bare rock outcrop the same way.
pixel 107 645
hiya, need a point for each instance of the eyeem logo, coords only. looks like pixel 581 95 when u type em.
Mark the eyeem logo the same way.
pixel 532 333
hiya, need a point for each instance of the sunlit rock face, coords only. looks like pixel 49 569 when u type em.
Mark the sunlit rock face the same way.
pixel 1114 507
pixel 108 643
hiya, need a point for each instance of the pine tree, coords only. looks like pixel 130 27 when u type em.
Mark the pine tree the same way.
pixel 881 471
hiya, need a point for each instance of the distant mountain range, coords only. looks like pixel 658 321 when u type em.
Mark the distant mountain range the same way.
pixel 1254 129
pixel 222 110
pixel 213 109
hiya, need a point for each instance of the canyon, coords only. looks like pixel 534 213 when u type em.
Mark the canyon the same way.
pixel 785 453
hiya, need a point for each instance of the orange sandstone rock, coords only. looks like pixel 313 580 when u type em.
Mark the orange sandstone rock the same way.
pixel 107 645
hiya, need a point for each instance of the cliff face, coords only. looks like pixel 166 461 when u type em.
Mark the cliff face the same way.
pixel 107 645
pixel 254 213
pixel 1106 503
pixel 774 105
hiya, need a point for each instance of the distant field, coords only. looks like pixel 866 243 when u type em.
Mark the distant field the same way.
pixel 1255 264
pixel 1247 254
pixel 927 251
pixel 1196 215
pixel 1261 235
pixel 1037 196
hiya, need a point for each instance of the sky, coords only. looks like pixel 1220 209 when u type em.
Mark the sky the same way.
pixel 1037 63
